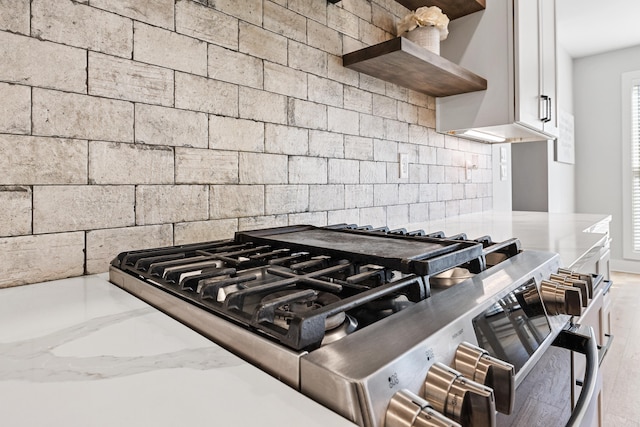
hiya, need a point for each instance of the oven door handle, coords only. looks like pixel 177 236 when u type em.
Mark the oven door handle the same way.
pixel 581 339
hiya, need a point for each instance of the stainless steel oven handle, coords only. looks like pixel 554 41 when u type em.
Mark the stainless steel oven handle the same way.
pixel 581 339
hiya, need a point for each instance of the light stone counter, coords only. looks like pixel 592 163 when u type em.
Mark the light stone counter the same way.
pixel 83 352
pixel 571 235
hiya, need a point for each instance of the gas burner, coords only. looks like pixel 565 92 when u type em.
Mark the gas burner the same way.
pixel 295 302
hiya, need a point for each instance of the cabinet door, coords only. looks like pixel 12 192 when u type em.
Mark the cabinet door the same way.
pixel 535 65
pixel 549 67
pixel 527 63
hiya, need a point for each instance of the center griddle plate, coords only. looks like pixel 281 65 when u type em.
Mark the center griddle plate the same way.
pixel 420 255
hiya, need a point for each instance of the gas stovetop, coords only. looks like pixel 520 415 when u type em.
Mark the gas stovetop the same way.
pixel 302 285
pixel 356 317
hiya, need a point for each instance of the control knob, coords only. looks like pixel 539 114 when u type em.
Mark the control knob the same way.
pixel 561 299
pixel 465 401
pixel 476 363
pixel 409 410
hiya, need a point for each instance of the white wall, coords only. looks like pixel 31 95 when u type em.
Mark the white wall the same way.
pixel 597 105
pixel 562 175
pixel 539 182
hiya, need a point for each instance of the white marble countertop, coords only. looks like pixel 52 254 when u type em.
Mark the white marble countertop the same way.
pixel 83 352
pixel 570 235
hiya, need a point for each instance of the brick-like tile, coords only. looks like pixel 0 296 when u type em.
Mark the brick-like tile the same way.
pixel 419 135
pixel 169 126
pixel 396 130
pixel 15 215
pixel 318 219
pixel 343 121
pixel 343 21
pixel 338 72
pixel 285 22
pixel 385 194
pixel 31 259
pixel 419 212
pixel 120 78
pixel 233 201
pixel 286 140
pixel 307 114
pixel 385 151
pixel 157 46
pixel 375 216
pixel 384 106
pixel 285 80
pixel 372 35
pixel 358 148
pixel 82 207
pixel 373 173
pixel 372 84
pixel 306 58
pixel 263 168
pixel 263 106
pixel 427 117
pixel 104 245
pixel 120 163
pixel 247 10
pixel 407 112
pixel 371 126
pixel 316 11
pixel 343 216
pixel 324 38
pixel 326 91
pixel 204 166
pixel 155 12
pixel 326 197
pixel 40 63
pixel 202 231
pixel 76 24
pixel 397 215
pixel 206 24
pixel 382 18
pixel 358 100
pixel 344 171
pixel 326 144
pixel 30 160
pixel 81 116
pixel 158 204
pixel 408 193
pixel 263 43
pixel 284 199
pixel 307 170
pixel 15 16
pixel 207 95
pixel 228 133
pixel 358 196
pixel 258 222
pixel 15 108
pixel 235 67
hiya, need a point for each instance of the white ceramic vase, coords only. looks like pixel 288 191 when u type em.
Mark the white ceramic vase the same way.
pixel 427 37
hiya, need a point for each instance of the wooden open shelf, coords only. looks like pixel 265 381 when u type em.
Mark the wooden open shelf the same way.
pixel 404 63
pixel 453 8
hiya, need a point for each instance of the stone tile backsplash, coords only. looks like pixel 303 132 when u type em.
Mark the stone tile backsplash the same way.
pixel 142 123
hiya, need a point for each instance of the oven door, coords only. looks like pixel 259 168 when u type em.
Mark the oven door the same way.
pixel 544 395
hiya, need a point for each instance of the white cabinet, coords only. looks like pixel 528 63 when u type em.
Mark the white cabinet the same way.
pixel 513 45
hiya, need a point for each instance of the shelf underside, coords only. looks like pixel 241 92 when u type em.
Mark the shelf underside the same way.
pixel 404 63
pixel 452 8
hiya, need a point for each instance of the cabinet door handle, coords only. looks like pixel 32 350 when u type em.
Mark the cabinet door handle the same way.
pixel 544 108
pixel 548 109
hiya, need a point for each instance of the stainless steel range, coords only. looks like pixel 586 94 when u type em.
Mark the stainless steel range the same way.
pixel 385 327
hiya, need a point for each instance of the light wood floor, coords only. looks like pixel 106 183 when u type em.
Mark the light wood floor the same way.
pixel 621 367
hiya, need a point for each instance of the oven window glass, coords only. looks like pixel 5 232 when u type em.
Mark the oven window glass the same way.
pixel 515 326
